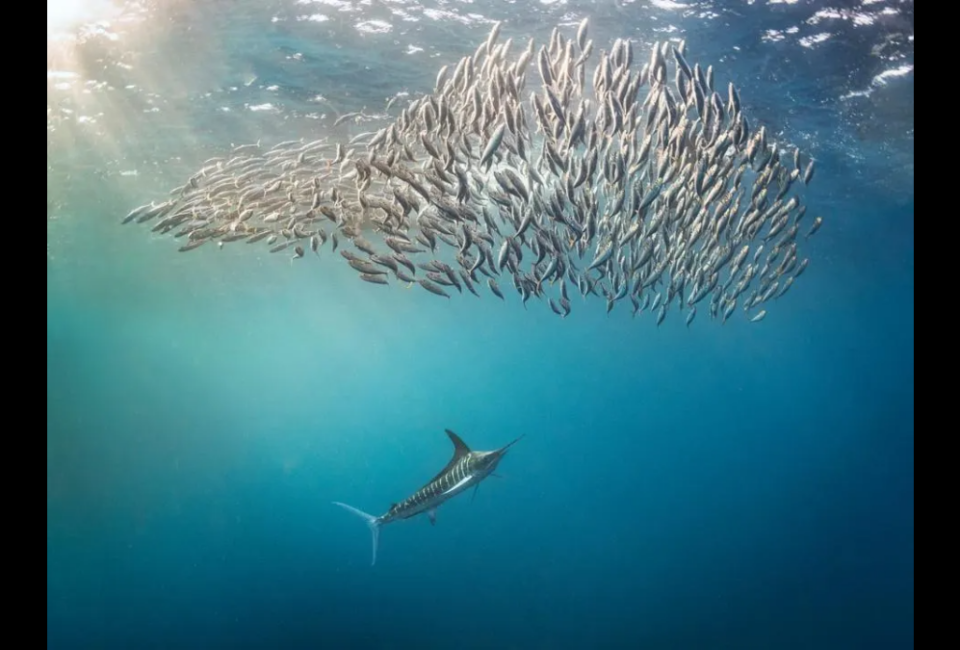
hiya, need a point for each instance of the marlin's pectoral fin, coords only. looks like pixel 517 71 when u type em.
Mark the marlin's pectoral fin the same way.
pixel 459 485
pixel 474 495
pixel 432 513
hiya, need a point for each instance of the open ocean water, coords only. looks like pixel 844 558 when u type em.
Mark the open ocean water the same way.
pixel 741 486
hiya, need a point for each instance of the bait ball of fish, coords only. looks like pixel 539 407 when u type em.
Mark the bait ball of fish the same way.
pixel 541 171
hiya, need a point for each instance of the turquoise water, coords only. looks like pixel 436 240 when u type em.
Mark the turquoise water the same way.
pixel 748 485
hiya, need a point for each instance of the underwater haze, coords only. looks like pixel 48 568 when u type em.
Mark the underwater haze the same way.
pixel 745 485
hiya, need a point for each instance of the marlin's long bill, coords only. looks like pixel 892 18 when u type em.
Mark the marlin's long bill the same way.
pixel 372 522
pixel 507 446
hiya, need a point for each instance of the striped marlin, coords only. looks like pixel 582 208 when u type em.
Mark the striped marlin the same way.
pixel 465 470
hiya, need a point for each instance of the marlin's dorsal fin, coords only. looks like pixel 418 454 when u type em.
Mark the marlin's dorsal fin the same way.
pixel 460 449
pixel 459 446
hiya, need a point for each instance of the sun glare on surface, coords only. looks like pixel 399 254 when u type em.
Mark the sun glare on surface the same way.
pixel 63 16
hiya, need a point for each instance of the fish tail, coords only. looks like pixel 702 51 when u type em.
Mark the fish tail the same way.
pixel 372 522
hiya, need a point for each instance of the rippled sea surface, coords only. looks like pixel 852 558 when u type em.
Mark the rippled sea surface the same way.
pixel 747 485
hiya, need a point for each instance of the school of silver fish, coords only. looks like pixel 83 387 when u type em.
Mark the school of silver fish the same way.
pixel 646 185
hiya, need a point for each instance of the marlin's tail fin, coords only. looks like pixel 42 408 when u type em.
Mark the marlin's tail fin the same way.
pixel 372 522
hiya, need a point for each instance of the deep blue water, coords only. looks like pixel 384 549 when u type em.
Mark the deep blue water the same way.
pixel 742 486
